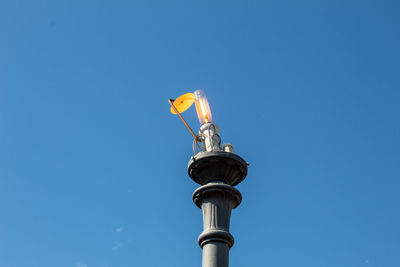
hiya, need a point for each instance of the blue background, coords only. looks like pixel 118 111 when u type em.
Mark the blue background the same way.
pixel 93 165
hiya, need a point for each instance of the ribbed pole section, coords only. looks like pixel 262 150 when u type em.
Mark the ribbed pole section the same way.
pixel 216 200
pixel 217 172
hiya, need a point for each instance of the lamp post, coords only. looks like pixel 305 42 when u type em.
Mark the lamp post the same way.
pixel 217 169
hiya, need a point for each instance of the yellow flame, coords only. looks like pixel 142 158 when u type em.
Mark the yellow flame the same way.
pixel 203 110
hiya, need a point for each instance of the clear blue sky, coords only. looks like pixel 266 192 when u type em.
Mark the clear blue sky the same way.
pixel 93 165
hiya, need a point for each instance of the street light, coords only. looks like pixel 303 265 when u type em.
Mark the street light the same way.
pixel 217 169
pixel 202 107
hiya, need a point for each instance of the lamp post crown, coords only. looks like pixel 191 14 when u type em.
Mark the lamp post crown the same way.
pixel 217 166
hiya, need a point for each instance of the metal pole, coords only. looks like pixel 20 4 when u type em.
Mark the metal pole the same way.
pixel 216 200
pixel 217 172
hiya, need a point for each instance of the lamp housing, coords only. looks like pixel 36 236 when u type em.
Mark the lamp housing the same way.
pixel 202 107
